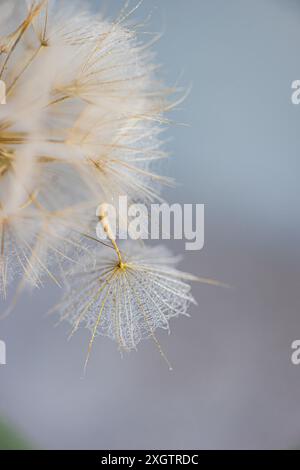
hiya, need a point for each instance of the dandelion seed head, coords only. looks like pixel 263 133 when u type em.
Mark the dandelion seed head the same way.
pixel 81 116
pixel 80 122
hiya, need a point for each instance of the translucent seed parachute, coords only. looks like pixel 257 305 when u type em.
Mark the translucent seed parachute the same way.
pixel 126 301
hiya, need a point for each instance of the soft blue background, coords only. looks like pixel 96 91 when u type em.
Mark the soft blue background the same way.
pixel 233 384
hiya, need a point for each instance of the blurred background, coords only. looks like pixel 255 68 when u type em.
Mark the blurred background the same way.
pixel 233 383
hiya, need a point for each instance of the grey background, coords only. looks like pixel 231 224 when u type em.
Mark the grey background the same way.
pixel 233 384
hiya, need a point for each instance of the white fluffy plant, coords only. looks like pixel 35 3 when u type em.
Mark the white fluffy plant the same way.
pixel 80 118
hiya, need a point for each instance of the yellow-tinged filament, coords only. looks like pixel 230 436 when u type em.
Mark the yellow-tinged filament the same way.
pixel 2 92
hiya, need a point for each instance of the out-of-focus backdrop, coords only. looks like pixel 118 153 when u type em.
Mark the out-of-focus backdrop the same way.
pixel 233 384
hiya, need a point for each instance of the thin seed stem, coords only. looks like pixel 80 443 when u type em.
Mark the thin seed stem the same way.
pixel 107 229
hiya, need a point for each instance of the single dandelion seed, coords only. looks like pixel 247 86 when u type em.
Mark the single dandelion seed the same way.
pixel 127 294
